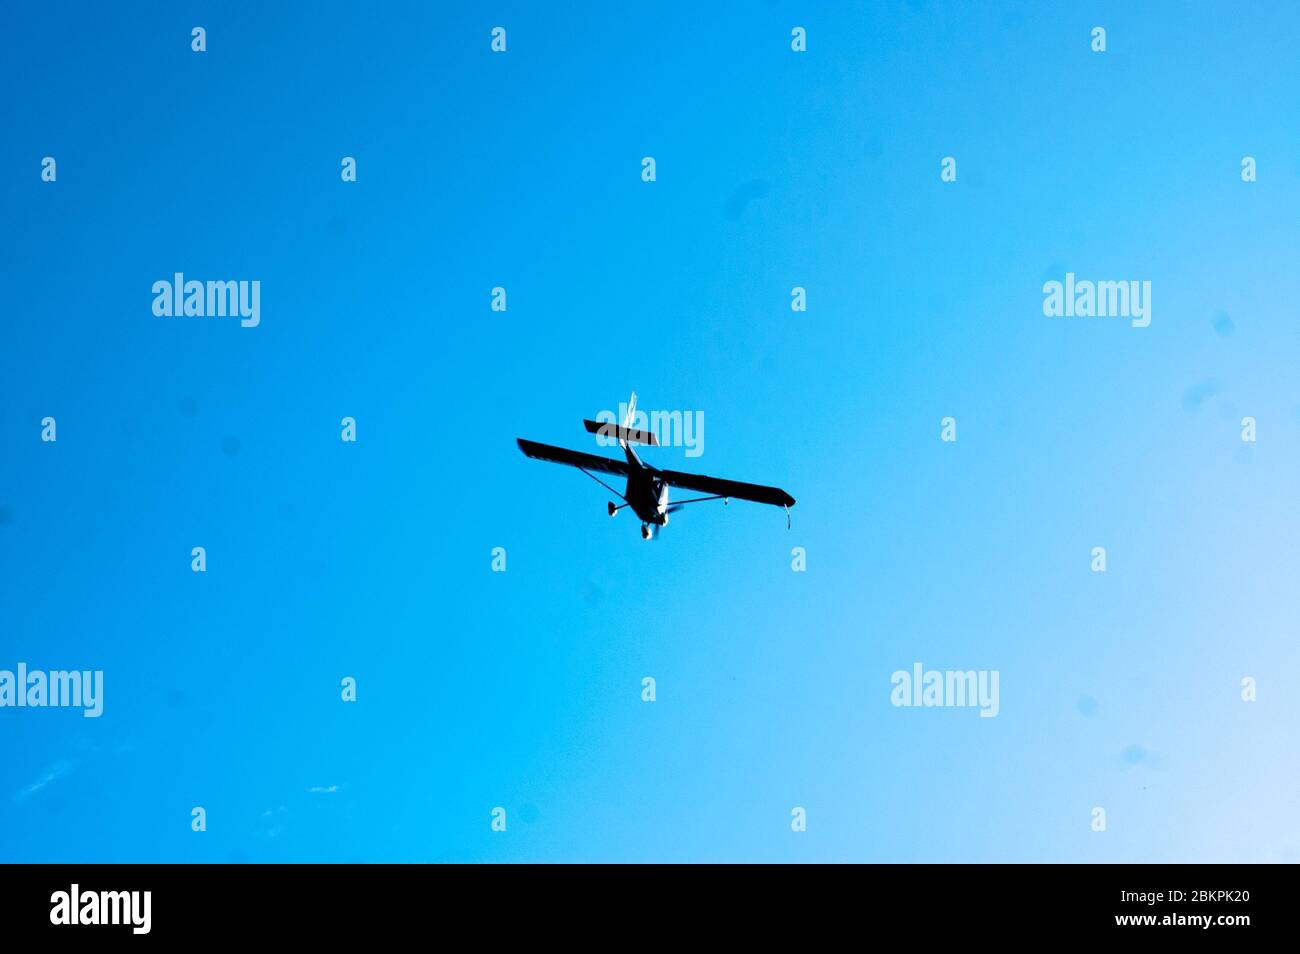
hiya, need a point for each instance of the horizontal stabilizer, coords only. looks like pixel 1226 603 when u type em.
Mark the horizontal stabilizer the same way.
pixel 629 435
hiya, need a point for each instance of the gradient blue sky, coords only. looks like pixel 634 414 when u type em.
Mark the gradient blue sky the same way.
pixel 522 689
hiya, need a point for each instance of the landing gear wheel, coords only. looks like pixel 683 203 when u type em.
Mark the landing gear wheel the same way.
pixel 612 509
pixel 645 531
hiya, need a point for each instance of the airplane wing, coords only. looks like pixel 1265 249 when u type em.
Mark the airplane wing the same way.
pixel 728 488
pixel 560 455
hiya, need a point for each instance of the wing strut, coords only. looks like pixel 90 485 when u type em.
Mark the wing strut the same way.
pixel 723 497
pixel 603 484
pixel 682 503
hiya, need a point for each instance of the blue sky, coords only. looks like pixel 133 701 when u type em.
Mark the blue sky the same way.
pixel 523 689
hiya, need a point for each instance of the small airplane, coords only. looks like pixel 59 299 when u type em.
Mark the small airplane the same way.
pixel 647 487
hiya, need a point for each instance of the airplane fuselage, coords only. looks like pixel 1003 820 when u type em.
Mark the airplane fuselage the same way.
pixel 646 493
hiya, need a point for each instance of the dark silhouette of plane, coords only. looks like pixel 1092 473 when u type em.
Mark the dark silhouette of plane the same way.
pixel 647 487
